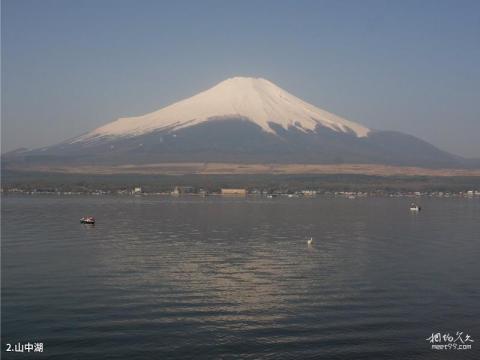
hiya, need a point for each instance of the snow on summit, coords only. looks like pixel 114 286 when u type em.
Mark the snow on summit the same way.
pixel 255 99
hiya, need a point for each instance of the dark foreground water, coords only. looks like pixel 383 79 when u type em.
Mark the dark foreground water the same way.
pixel 162 278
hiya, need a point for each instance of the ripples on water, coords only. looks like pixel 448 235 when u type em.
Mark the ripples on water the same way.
pixel 234 278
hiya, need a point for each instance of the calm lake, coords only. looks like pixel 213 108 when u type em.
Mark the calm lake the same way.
pixel 209 278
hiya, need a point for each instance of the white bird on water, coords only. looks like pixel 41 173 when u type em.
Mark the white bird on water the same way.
pixel 310 241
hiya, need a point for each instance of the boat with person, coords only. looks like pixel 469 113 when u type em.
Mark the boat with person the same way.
pixel 87 220
pixel 415 208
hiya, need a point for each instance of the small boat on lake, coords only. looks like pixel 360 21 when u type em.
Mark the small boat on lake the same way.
pixel 415 208
pixel 87 220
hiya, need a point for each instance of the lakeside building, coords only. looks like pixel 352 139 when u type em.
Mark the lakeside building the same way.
pixel 137 190
pixel 178 190
pixel 234 192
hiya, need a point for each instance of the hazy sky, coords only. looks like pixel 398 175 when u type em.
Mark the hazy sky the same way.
pixel 69 66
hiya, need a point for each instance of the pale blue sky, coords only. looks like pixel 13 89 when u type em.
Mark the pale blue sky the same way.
pixel 70 66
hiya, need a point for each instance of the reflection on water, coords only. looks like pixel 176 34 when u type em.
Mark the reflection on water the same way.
pixel 215 278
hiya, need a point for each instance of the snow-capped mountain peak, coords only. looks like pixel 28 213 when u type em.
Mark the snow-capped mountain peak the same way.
pixel 254 99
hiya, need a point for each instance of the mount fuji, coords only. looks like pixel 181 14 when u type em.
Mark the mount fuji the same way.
pixel 239 120
pixel 256 100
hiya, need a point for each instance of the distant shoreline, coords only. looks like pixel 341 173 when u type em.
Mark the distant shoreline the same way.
pixel 399 180
pixel 247 169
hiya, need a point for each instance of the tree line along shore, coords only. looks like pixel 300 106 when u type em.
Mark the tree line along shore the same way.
pixel 253 183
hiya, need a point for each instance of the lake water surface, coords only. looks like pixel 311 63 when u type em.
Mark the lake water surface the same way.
pixel 209 278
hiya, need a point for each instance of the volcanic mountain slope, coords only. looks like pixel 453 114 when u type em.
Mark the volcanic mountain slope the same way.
pixel 240 120
pixel 256 100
